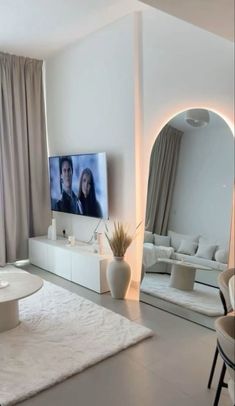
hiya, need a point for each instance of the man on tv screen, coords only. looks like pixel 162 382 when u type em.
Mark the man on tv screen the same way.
pixel 68 200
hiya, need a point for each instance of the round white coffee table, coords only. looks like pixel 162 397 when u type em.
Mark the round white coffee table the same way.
pixel 183 273
pixel 20 285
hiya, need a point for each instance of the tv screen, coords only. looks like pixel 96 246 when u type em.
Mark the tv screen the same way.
pixel 78 184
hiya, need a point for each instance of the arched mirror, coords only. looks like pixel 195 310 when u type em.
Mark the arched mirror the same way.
pixel 188 215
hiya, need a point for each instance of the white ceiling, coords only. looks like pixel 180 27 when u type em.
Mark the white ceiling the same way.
pixel 38 28
pixel 216 16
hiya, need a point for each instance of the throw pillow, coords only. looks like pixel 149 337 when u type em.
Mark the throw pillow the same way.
pixel 162 240
pixel 148 237
pixel 206 251
pixel 176 238
pixel 221 255
pixel 187 247
pixel 205 240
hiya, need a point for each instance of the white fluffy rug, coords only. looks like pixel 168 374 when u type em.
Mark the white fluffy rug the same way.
pixel 203 299
pixel 60 334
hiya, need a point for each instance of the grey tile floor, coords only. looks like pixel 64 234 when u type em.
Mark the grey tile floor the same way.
pixel 169 369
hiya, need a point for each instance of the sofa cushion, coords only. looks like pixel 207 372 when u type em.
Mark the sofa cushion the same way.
pixel 148 236
pixel 162 240
pixel 206 251
pixel 221 255
pixel 205 240
pixel 176 238
pixel 188 247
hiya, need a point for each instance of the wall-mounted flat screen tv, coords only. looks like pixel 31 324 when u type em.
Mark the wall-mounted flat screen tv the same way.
pixel 78 184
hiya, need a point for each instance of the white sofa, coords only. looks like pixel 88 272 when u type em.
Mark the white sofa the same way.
pixel 193 249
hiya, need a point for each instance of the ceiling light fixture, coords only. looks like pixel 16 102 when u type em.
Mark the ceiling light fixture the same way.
pixel 197 117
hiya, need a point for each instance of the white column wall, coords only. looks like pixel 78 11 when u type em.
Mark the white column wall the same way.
pixel 90 108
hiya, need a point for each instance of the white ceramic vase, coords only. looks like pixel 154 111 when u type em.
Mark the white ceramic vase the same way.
pixel 118 277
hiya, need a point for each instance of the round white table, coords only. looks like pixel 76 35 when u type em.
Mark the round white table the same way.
pixel 183 273
pixel 231 285
pixel 19 285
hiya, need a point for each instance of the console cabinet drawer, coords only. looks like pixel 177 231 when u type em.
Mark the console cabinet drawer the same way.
pixel 77 264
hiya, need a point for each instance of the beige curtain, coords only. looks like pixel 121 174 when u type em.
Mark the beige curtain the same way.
pixel 24 185
pixel 162 172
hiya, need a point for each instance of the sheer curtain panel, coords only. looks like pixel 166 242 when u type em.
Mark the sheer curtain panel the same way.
pixel 162 173
pixel 24 182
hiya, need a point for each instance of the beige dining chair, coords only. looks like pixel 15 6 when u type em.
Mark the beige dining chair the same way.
pixel 225 330
pixel 223 281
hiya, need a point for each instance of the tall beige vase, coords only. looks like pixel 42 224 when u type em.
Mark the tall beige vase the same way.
pixel 118 277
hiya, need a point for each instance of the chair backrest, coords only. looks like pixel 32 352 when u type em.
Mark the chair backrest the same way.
pixel 223 280
pixel 225 329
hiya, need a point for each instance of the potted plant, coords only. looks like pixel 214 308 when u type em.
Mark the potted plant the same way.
pixel 119 271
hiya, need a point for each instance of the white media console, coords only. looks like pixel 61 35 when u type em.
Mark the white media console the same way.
pixel 78 264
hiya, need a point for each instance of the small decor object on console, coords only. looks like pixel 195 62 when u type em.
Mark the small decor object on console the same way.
pixel 51 235
pixel 71 241
pixel 98 243
pixel 49 232
pixel 118 271
pixel 53 230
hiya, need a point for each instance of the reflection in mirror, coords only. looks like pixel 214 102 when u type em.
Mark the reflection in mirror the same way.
pixel 188 214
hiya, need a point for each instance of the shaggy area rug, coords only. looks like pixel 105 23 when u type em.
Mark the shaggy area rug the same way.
pixel 60 334
pixel 203 299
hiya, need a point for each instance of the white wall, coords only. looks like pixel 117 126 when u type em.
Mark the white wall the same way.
pixel 90 108
pixel 202 199
pixel 183 66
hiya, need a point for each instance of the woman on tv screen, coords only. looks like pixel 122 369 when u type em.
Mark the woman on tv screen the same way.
pixel 87 203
